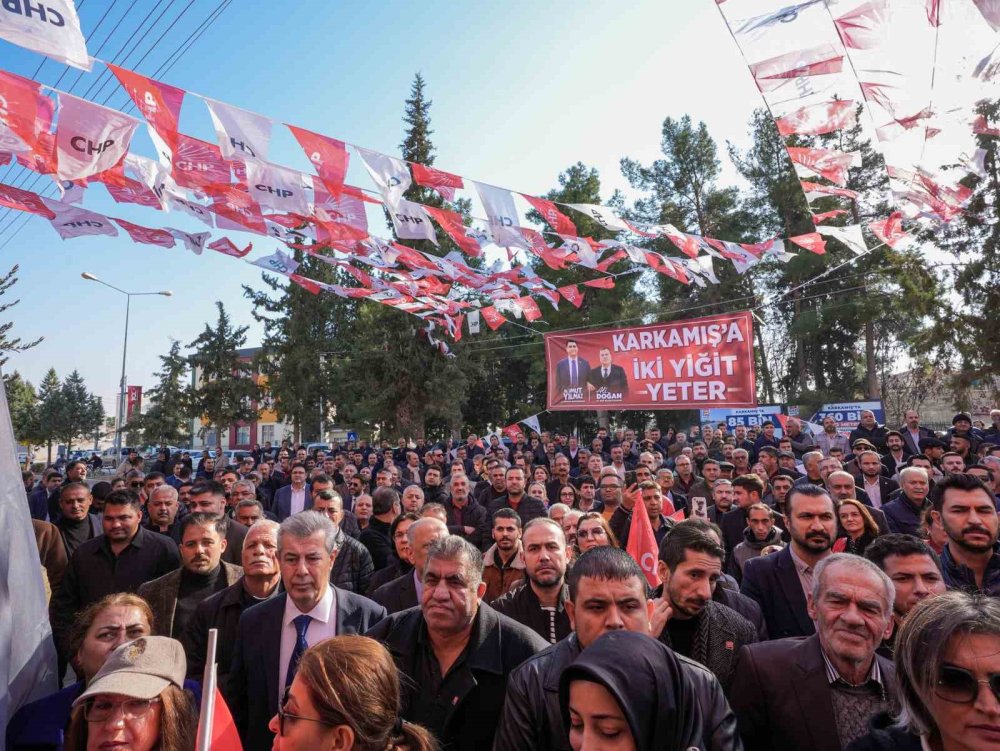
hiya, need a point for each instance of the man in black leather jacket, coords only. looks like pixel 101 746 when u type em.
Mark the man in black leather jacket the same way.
pixel 607 592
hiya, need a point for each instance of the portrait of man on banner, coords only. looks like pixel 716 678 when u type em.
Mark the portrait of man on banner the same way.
pixel 571 374
pixel 608 382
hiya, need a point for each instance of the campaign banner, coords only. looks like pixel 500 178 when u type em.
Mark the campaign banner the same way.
pixel 848 414
pixel 133 402
pixel 692 364
pixel 748 417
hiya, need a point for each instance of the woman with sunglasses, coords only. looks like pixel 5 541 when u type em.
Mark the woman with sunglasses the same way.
pixel 948 678
pixel 345 695
pixel 137 701
pixel 570 496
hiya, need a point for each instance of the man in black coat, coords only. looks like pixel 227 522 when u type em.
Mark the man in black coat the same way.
pixel 401 593
pixel 222 610
pixel 455 653
pixel 376 536
pixel 527 508
pixel 607 592
pixel 466 518
pixel 608 377
pixel 778 582
pixel 266 650
pixel 820 692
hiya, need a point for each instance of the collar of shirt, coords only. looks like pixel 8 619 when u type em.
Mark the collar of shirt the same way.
pixel 832 676
pixel 320 612
pixel 801 566
pixel 419 585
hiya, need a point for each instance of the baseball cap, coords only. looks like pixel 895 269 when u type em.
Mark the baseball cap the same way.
pixel 962 416
pixel 140 669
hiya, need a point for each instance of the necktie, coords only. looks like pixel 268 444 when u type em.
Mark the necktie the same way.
pixel 604 372
pixel 572 372
pixel 301 645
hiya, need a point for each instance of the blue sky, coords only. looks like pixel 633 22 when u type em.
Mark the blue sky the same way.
pixel 521 90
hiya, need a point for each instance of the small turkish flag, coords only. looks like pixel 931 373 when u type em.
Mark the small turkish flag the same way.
pixel 642 543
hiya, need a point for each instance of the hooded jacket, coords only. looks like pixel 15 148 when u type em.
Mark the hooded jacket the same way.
pixel 750 548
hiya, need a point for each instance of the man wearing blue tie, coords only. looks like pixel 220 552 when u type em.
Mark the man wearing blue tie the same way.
pixel 272 635
pixel 572 371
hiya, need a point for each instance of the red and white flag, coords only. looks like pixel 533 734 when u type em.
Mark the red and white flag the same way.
pixel 278 188
pixel 198 164
pixel 328 155
pixel 444 183
pixel 89 138
pixel 307 284
pixel 850 236
pixel 890 231
pixel 24 200
pixel 530 308
pixel 811 242
pixel 24 113
pixel 828 163
pixel 502 216
pixel 225 246
pixel 817 119
pixel 390 174
pixel 146 235
pixel 493 317
pixel 195 242
pixel 604 282
pixel 452 223
pixel 572 293
pixel 72 221
pixel 642 543
pixel 159 103
pixel 51 28
pixel 240 133
pixel 602 215
pixel 865 27
pixel 813 61
pixel 411 222
pixel 561 223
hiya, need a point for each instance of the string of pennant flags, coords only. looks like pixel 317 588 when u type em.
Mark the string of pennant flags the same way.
pixel 230 186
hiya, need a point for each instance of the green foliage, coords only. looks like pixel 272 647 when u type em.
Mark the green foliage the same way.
pixel 167 420
pixel 22 400
pixel 225 392
pixel 8 342
pixel 81 412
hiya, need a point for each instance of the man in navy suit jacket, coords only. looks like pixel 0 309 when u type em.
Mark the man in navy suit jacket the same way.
pixel 778 581
pixel 608 376
pixel 265 654
pixel 572 371
pixel 282 506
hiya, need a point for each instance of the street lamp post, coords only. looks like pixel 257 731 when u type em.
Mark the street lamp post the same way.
pixel 121 393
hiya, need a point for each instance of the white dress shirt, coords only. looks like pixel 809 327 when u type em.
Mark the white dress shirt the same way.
pixel 298 500
pixel 322 626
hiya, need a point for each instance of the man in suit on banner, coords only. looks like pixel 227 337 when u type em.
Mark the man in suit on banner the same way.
pixel 571 372
pixel 608 376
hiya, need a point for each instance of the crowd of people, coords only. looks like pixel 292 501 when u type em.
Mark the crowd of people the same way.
pixel 820 592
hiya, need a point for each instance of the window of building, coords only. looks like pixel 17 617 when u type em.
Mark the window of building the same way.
pixel 243 435
pixel 267 433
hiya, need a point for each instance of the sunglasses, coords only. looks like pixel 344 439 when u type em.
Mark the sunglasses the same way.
pixel 283 715
pixel 959 686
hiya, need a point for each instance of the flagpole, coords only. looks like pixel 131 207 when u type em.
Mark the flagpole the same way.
pixel 205 720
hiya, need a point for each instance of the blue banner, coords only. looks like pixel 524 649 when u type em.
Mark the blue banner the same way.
pixel 848 414
pixel 750 417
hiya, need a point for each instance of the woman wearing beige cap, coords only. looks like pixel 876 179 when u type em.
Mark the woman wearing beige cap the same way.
pixel 137 701
pixel 346 696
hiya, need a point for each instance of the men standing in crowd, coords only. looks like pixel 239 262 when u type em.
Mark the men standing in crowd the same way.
pixel 652 505
pixel 747 490
pixel 272 636
pixel 376 536
pixel 781 582
pixel 877 486
pixel 209 497
pixel 820 692
pixel 830 439
pixel 503 562
pixel 222 610
pixel 120 560
pixel 904 513
pixel 539 603
pixel 607 592
pixel 75 523
pixel 163 508
pixel 915 572
pixel 455 652
pixel 295 497
pixel 869 430
pixel 760 533
pixel 353 567
pixel 689 567
pixel 527 508
pixel 801 442
pixel 404 591
pixel 967 510
pixel 912 432
pixel 466 518
pixel 173 597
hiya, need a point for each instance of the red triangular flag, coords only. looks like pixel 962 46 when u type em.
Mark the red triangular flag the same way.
pixel 493 317
pixel 605 282
pixel 677 516
pixel 812 241
pixel 223 736
pixel 642 543
pixel 572 293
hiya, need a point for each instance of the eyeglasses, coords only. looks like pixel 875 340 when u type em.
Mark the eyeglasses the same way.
pixel 610 486
pixel 959 686
pixel 101 710
pixel 588 533
pixel 283 715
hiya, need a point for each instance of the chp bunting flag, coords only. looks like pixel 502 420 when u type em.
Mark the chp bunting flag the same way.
pixel 390 174
pixel 444 183
pixel 817 119
pixel 51 28
pixel 24 200
pixel 328 155
pixel 89 138
pixel 828 163
pixel 240 133
pixel 411 222
pixel 532 423
pixel 561 223
pixel 159 103
pixel 811 242
pixel 502 216
pixel 73 221
pixel 890 231
pixel 850 236
pixel 642 542
pixel 278 262
pixel 146 235
pixel 225 246
pixel 493 317
pixel 530 308
pixel 452 223
pixel 603 216
pixel 198 164
pixel 307 284
pixel 604 282
pixel 24 113
pixel 279 188
pixel 195 242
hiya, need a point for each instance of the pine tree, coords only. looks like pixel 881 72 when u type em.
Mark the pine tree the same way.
pixel 167 420
pixel 52 411
pixel 225 393
pixel 22 400
pixel 8 342
pixel 83 411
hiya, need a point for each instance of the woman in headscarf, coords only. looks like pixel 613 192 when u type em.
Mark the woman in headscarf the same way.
pixel 629 692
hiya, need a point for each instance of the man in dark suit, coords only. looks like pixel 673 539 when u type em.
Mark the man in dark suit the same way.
pixel 571 372
pixel 272 636
pixel 209 497
pixel 779 582
pixel 608 376
pixel 819 692
pixel 401 593
pixel 377 535
pixel 912 432
pixel 291 499
pixel 455 653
